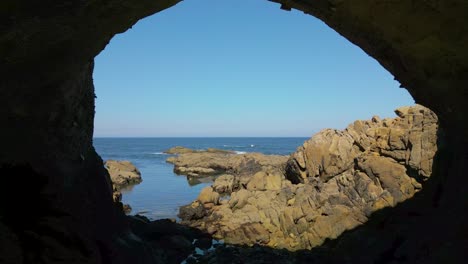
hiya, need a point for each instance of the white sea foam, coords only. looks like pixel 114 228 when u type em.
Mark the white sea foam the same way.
pixel 233 146
pixel 240 152
pixel 158 153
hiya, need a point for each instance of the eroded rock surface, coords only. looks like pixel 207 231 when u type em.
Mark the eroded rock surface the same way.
pixel 332 183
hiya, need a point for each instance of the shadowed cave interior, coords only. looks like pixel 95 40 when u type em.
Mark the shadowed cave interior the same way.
pixel 66 214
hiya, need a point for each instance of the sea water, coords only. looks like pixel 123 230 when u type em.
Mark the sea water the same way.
pixel 162 191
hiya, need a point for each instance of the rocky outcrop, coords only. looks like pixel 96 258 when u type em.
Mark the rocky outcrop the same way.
pixel 410 139
pixel 333 183
pixel 122 174
pixel 214 162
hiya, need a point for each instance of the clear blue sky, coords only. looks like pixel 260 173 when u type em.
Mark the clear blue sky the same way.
pixel 236 68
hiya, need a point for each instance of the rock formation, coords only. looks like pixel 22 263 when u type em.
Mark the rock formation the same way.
pixel 122 174
pixel 409 140
pixel 333 183
pixel 47 109
pixel 216 162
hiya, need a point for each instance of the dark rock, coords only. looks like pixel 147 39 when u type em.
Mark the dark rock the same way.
pixel 192 211
pixel 204 243
pixel 127 208
pixel 181 244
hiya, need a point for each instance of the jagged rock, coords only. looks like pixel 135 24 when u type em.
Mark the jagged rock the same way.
pixel 328 153
pixel 331 152
pixel 340 178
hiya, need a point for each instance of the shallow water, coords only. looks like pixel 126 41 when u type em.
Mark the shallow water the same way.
pixel 162 192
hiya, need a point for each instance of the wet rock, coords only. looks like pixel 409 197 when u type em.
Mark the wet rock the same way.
pixel 180 244
pixel 204 243
pixel 193 211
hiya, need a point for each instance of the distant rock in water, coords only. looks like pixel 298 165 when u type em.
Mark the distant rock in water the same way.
pixel 122 174
pixel 183 150
pixel 216 162
pixel 179 150
pixel 331 184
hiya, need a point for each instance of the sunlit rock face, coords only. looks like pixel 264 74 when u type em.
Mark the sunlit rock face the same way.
pixel 409 140
pixel 333 183
pixel 47 107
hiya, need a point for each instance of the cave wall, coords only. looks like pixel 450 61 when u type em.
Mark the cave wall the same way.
pixel 47 105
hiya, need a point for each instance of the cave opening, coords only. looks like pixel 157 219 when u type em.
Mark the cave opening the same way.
pixel 48 108
pixel 191 72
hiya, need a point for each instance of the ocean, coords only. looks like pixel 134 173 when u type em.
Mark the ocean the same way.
pixel 162 191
